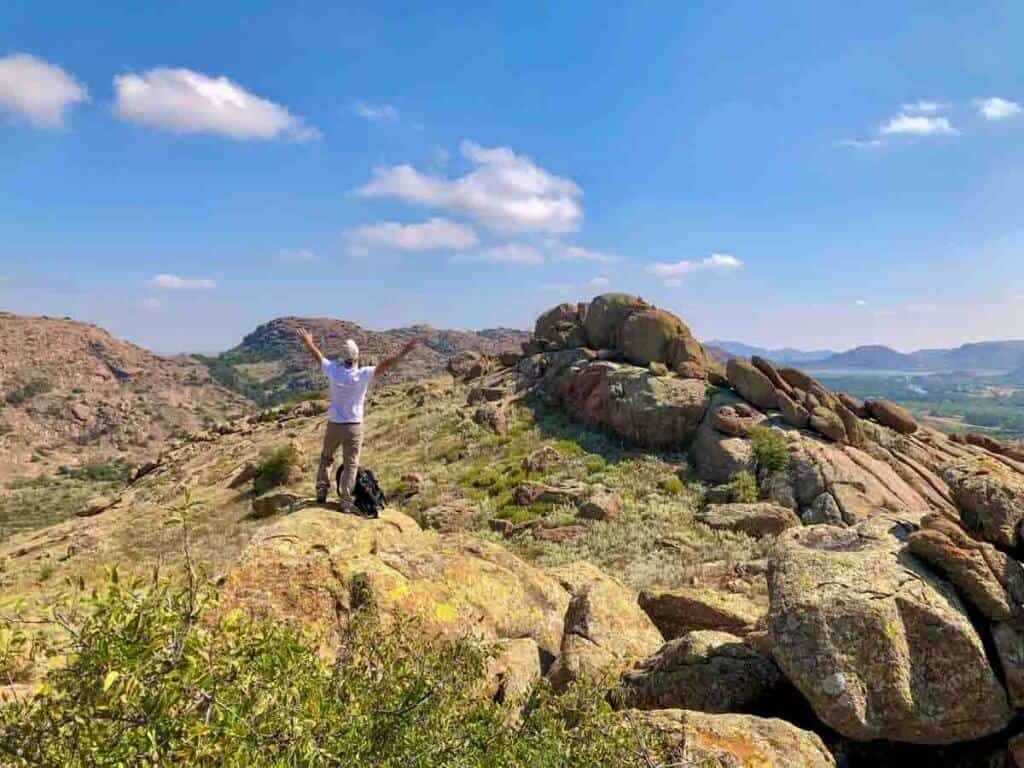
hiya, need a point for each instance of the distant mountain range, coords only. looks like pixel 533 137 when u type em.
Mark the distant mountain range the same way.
pixel 991 357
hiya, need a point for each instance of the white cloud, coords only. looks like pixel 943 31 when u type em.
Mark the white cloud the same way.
pixel 598 283
pixel 917 125
pixel 184 101
pixel 927 107
pixel 860 303
pixel 674 272
pixel 862 143
pixel 175 283
pixel 564 252
pixel 509 253
pixel 40 92
pixel 432 235
pixel 376 113
pixel 148 303
pixel 506 191
pixel 998 109
pixel 298 256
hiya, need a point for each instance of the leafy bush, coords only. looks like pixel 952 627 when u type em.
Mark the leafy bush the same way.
pixel 743 488
pixel 274 466
pixel 115 471
pixel 149 682
pixel 672 485
pixel 771 452
pixel 27 391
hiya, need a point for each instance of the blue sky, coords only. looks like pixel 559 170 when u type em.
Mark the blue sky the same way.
pixel 803 173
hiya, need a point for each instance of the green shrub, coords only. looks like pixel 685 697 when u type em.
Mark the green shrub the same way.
pixel 771 452
pixel 595 464
pixel 147 682
pixel 114 471
pixel 27 391
pixel 743 487
pixel 672 485
pixel 274 466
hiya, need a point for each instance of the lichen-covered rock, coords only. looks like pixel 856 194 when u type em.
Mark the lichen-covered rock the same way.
pixel 891 415
pixel 827 423
pixel 601 504
pixel 794 414
pixel 707 671
pixel 731 741
pixel 752 385
pixel 679 611
pixel 605 629
pixel 991 580
pixel 512 672
pixel 1008 638
pixel 646 334
pixel 648 411
pixel 734 419
pixel 561 326
pixel 542 459
pixel 717 457
pixel 493 416
pixel 272 502
pixel 449 518
pixel 301 570
pixel 823 511
pixel 605 317
pixel 769 370
pixel 879 646
pixel 756 520
pixel 990 496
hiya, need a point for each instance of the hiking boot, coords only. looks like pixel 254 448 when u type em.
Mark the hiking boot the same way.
pixel 321 492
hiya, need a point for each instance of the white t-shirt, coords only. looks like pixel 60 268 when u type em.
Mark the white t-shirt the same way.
pixel 348 390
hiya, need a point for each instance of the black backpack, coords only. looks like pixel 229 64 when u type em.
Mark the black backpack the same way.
pixel 367 495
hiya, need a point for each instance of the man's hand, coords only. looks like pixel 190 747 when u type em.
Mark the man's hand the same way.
pixel 388 363
pixel 307 341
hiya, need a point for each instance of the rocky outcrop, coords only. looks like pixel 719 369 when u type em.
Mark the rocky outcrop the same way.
pixel 991 580
pixel 682 610
pixel 880 647
pixel 605 629
pixel 311 568
pixel 707 671
pixel 605 317
pixel 755 520
pixel 751 384
pixel 647 410
pixel 891 415
pixel 991 498
pixel 731 741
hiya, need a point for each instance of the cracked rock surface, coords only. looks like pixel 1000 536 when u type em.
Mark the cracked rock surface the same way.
pixel 880 646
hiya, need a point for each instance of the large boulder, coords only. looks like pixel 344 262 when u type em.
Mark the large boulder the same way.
pixel 990 496
pixel 679 611
pixel 605 628
pixel 891 415
pixel 718 457
pixel 730 741
pixel 756 520
pixel 792 412
pixel 605 317
pixel 992 581
pixel 646 334
pixel 646 410
pixel 827 423
pixel 561 326
pixel 707 671
pixel 879 646
pixel 311 568
pixel 751 383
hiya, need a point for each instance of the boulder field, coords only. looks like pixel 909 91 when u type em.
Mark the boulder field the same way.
pixel 890 608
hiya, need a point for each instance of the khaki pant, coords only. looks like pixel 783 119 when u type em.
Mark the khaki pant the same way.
pixel 350 438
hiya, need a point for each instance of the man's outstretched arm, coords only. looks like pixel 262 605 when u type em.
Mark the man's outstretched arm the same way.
pixel 307 341
pixel 388 363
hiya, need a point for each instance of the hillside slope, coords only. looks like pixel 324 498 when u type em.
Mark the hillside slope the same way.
pixel 71 393
pixel 271 366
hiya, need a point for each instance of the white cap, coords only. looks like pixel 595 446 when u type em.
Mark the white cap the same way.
pixel 351 350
